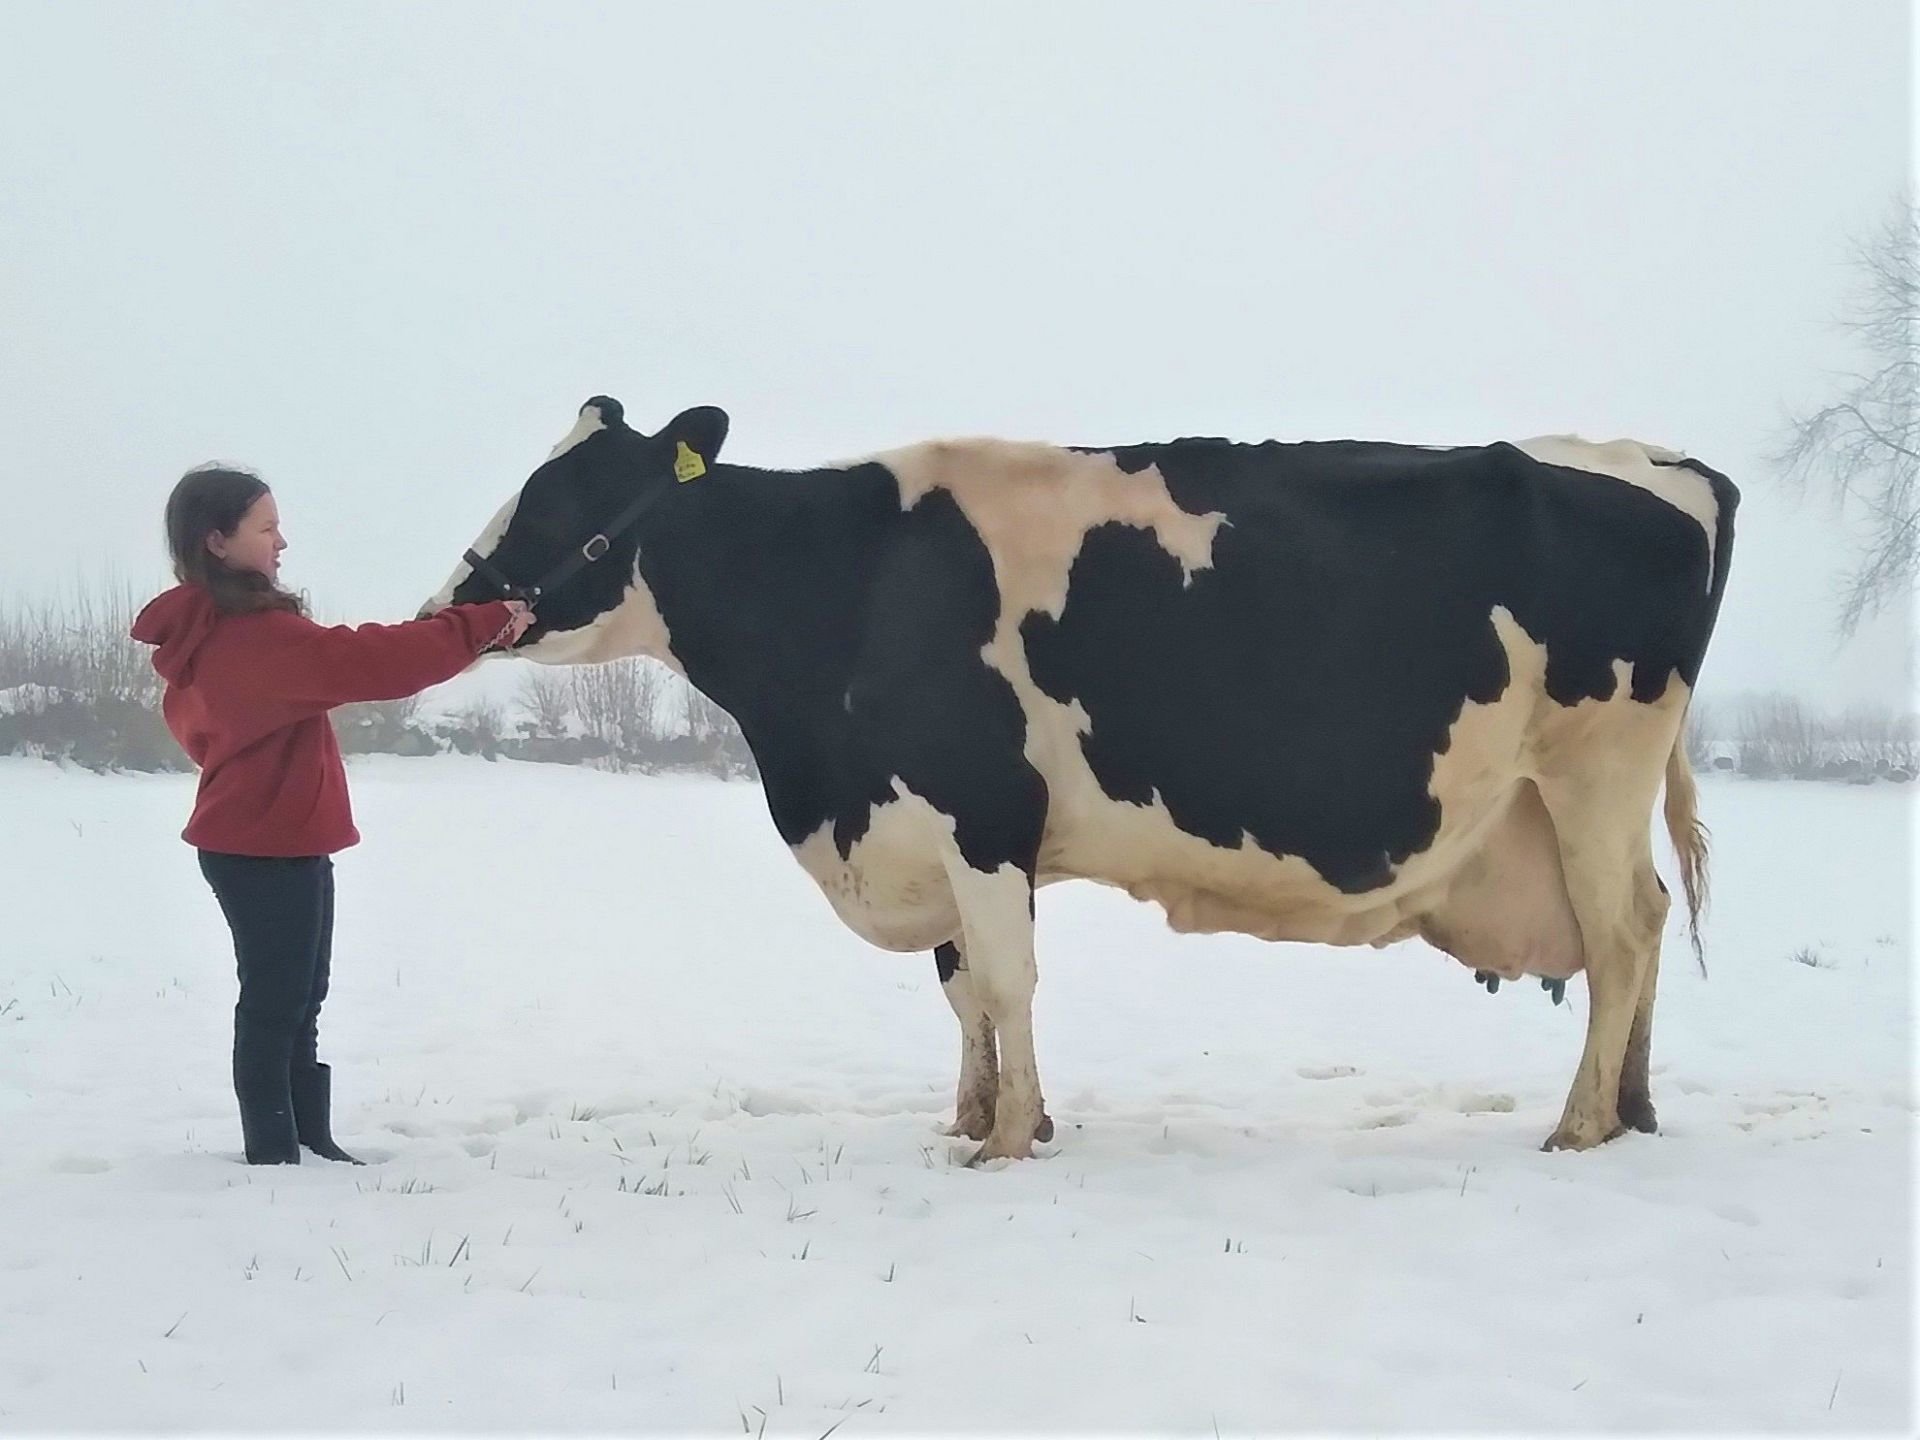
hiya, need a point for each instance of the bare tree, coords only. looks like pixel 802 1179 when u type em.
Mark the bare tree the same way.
pixel 617 701
pixel 1874 738
pixel 1778 735
pixel 79 643
pixel 74 683
pixel 486 719
pixel 546 694
pixel 1701 732
pixel 705 720
pixel 374 726
pixel 1863 447
pixel 718 734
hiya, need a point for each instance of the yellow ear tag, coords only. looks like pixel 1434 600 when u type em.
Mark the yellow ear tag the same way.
pixel 687 465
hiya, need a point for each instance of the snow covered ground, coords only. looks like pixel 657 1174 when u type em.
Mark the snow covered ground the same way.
pixel 656 1149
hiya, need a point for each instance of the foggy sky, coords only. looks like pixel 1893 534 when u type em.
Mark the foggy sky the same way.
pixel 382 253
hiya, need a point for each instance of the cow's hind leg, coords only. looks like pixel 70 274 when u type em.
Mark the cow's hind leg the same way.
pixel 1620 905
pixel 1636 1097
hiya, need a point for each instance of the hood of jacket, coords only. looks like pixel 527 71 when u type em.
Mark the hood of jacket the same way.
pixel 176 623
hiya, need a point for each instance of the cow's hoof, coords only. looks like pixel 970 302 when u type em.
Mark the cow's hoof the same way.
pixel 998 1148
pixel 970 1127
pixel 1580 1137
pixel 973 1114
pixel 1638 1115
pixel 1045 1132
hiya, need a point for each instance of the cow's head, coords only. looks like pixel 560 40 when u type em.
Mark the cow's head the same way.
pixel 591 498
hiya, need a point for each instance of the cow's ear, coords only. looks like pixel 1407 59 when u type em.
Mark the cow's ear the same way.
pixel 613 414
pixel 701 430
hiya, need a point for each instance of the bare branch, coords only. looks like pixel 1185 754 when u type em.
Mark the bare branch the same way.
pixel 1863 448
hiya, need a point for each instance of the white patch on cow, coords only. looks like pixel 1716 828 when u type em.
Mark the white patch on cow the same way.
pixel 891 889
pixel 1652 468
pixel 634 627
pixel 484 546
pixel 489 538
pixel 588 422
pixel 1033 505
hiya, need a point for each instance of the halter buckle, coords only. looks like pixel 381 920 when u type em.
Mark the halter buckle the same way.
pixel 596 547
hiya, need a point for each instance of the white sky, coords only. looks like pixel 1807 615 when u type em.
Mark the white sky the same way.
pixel 381 253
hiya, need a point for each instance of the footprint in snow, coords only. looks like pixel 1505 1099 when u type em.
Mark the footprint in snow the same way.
pixel 1371 1184
pixel 1461 1102
pixel 1326 1072
pixel 1391 1120
pixel 1482 1102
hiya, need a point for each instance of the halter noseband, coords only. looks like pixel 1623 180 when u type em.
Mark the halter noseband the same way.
pixel 574 563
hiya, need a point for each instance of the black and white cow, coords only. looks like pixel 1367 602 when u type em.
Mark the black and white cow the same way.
pixel 1339 692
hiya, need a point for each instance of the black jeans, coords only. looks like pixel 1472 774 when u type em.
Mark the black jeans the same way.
pixel 281 915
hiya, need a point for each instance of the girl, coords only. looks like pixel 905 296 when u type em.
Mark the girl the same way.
pixel 249 682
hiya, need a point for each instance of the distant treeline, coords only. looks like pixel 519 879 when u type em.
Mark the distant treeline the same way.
pixel 1773 737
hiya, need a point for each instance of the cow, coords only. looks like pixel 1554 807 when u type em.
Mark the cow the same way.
pixel 1341 691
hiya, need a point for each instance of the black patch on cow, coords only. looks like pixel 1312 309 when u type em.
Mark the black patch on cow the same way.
pixel 946 961
pixel 844 636
pixel 1298 690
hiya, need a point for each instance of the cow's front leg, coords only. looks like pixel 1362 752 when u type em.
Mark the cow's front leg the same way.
pixel 996 916
pixel 975 1097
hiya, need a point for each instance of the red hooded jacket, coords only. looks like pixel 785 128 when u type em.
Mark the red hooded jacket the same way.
pixel 247 698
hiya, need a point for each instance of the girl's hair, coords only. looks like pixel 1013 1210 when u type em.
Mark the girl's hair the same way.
pixel 210 498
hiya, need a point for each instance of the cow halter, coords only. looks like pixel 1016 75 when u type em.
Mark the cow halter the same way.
pixel 687 466
pixel 573 564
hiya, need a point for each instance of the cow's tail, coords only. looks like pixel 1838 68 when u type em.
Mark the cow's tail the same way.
pixel 1689 838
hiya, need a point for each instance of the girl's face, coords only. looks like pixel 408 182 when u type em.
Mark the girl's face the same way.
pixel 255 543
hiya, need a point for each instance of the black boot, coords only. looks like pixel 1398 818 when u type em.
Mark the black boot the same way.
pixel 266 1112
pixel 312 1112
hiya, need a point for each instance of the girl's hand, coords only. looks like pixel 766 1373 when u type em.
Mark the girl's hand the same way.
pixel 522 614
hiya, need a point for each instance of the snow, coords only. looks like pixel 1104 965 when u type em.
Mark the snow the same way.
pixel 655 1148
